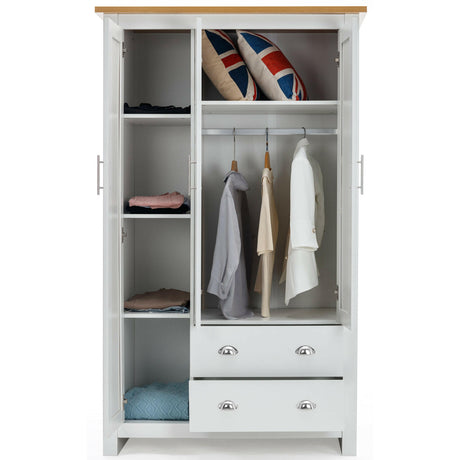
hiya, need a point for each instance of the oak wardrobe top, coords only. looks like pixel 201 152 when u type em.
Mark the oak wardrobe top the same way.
pixel 231 9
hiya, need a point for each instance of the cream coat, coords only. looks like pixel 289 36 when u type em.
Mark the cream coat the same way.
pixel 266 241
pixel 306 223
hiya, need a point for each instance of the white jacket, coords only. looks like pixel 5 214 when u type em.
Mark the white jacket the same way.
pixel 306 223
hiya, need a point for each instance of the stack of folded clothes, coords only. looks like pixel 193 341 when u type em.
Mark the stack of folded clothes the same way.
pixel 169 300
pixel 145 107
pixel 168 203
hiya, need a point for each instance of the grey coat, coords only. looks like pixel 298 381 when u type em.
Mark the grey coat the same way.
pixel 230 266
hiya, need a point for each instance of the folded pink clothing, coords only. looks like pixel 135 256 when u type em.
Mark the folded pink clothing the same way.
pixel 172 200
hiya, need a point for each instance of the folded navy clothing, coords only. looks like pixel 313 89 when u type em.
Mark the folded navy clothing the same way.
pixel 183 209
pixel 145 107
pixel 178 309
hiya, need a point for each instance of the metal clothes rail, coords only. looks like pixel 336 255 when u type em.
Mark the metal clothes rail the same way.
pixel 271 132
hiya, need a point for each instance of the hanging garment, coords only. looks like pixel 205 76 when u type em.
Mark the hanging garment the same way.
pixel 266 241
pixel 306 223
pixel 231 260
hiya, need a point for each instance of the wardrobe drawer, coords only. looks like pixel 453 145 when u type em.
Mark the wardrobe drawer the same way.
pixel 266 351
pixel 266 405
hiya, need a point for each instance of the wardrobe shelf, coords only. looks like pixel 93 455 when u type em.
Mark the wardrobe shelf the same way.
pixel 269 107
pixel 158 119
pixel 162 315
pixel 280 315
pixel 156 216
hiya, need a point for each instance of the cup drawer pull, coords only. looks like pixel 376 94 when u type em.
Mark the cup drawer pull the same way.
pixel 305 350
pixel 228 405
pixel 228 350
pixel 306 405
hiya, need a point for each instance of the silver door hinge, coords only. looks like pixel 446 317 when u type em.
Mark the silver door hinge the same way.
pixel 337 59
pixel 124 234
pixel 123 49
pixel 336 292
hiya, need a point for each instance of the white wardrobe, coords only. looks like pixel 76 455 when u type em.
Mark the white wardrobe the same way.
pixel 292 375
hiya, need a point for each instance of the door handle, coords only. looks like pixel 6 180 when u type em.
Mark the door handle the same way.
pixel 99 186
pixel 361 187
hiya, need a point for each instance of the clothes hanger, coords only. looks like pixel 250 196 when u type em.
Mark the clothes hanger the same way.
pixel 234 162
pixel 267 155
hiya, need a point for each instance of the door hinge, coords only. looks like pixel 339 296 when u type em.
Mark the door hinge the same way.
pixel 124 234
pixel 123 49
pixel 337 59
pixel 336 292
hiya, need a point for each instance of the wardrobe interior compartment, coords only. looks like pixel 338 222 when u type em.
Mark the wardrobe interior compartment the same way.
pixel 156 351
pixel 319 304
pixel 311 53
pixel 156 247
pixel 157 67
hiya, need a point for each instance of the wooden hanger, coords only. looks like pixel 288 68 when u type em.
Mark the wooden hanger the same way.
pixel 234 162
pixel 267 155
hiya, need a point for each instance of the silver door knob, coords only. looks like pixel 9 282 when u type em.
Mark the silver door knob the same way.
pixel 228 350
pixel 306 405
pixel 305 350
pixel 228 405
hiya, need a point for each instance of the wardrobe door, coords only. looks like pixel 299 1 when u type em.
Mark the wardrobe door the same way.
pixel 113 402
pixel 348 172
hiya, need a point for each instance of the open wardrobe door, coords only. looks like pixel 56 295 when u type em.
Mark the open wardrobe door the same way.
pixel 348 173
pixel 113 399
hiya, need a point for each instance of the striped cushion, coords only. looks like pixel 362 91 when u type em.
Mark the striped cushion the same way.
pixel 225 68
pixel 270 68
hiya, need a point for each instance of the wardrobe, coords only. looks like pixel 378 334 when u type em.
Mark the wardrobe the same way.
pixel 292 375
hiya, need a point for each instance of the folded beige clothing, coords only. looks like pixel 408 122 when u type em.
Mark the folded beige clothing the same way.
pixel 158 299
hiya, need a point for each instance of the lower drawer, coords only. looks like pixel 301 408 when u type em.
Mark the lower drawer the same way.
pixel 266 405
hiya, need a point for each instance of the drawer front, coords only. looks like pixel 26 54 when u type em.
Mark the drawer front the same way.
pixel 266 405
pixel 268 351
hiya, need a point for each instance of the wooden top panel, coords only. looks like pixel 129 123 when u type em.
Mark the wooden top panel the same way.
pixel 231 9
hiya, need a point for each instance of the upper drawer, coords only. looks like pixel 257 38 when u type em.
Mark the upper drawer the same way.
pixel 266 351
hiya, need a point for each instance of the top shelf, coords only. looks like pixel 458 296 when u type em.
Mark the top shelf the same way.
pixel 269 107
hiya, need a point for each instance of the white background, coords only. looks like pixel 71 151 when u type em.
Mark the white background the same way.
pixel 51 232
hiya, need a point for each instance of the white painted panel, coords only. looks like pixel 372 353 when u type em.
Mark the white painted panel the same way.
pixel 162 254
pixel 113 414
pixel 348 110
pixel 180 429
pixel 348 291
pixel 160 158
pixel 232 21
pixel 267 351
pixel 159 68
pixel 161 351
pixel 266 405
pixel 196 179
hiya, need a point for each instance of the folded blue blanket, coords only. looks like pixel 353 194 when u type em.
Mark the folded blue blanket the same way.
pixel 157 401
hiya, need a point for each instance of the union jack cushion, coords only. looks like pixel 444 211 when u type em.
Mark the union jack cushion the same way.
pixel 270 68
pixel 225 67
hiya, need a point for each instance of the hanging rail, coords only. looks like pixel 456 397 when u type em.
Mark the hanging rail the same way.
pixel 271 132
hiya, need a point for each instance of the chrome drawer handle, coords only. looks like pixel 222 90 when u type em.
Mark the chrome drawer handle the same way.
pixel 306 405
pixel 228 405
pixel 228 350
pixel 305 350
